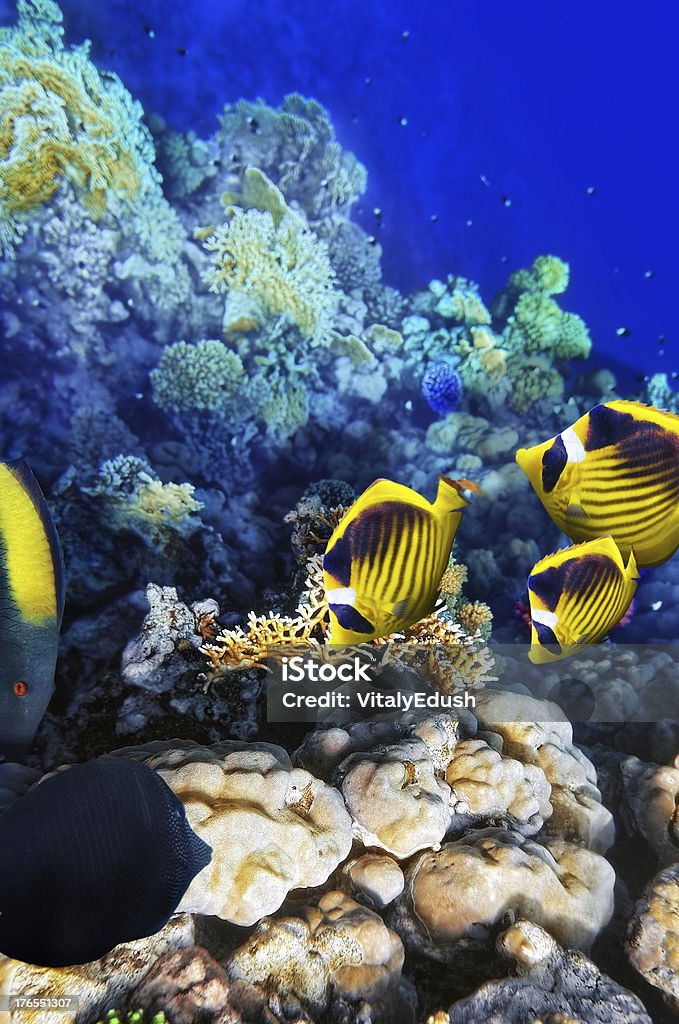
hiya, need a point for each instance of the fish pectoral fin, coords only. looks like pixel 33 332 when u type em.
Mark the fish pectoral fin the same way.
pixel 575 509
pixel 401 608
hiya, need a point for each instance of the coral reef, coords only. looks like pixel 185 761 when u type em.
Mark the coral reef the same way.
pixel 204 371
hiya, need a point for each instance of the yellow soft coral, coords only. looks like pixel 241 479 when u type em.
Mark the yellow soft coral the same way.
pixel 282 268
pixel 59 118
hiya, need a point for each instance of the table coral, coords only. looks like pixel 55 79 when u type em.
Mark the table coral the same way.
pixel 272 827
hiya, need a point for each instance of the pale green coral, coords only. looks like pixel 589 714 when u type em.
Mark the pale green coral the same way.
pixel 532 379
pixel 132 1017
pixel 537 323
pixel 201 377
pixel 282 268
pixel 60 118
pixel 548 274
pixel 287 407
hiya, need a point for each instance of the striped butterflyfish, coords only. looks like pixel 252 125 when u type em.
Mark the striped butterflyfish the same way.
pixel 31 605
pixel 384 562
pixel 577 595
pixel 614 471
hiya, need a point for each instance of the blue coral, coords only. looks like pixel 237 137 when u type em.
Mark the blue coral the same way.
pixel 442 388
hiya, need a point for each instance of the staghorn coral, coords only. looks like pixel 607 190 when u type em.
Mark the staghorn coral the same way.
pixel 282 269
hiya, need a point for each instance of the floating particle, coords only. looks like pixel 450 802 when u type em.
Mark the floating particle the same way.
pixel 434 217
pixel 662 339
pixel 409 405
pixel 181 50
pixel 591 191
pixel 484 180
pixel 372 240
pixel 403 121
pixel 469 222
pixel 504 259
pixel 354 117
pixel 149 32
pixel 367 81
pixel 656 606
pixel 377 213
pixel 648 274
pixel 506 200
pixel 405 35
pixel 623 332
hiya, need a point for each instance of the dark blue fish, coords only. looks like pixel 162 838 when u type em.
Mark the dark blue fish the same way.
pixel 99 854
pixel 31 606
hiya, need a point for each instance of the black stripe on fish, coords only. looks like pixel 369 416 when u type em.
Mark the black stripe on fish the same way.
pixel 349 618
pixel 608 426
pixel 337 559
pixel 547 637
pixel 553 464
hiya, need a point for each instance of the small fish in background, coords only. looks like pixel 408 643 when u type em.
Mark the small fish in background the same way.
pixel 614 471
pixel 577 595
pixel 384 561
pixel 96 855
pixel 31 606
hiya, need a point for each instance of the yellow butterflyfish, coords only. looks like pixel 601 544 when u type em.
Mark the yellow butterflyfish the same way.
pixel 384 562
pixel 577 595
pixel 614 471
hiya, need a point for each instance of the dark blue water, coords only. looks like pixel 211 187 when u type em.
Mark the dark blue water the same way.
pixel 492 132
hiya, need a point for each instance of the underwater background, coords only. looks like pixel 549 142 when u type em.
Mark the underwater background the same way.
pixel 253 258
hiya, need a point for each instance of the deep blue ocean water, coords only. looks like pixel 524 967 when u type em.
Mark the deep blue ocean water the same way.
pixel 492 132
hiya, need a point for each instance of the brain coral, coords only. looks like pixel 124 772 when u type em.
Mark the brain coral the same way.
pixel 61 119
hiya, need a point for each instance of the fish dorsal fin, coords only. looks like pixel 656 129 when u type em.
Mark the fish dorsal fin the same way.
pixel 449 497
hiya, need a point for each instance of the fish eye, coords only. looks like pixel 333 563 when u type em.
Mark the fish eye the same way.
pixel 20 688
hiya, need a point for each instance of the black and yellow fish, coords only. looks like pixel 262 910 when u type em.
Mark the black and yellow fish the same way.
pixel 614 471
pixel 384 562
pixel 31 605
pixel 577 595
